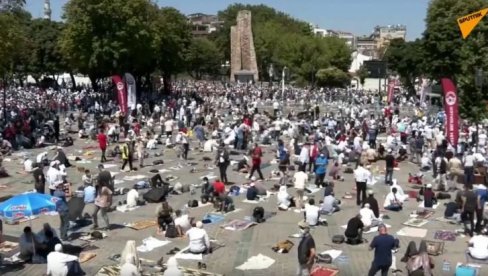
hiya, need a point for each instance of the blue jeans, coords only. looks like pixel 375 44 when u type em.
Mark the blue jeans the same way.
pixel 468 175
pixel 389 176
pixel 64 225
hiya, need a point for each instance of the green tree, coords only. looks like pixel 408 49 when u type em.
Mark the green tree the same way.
pixel 173 38
pixel 406 59
pixel 12 43
pixel 203 58
pixel 332 77
pixel 11 5
pixel 362 74
pixel 447 54
pixel 105 37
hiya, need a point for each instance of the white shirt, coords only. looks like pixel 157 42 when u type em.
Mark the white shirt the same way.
pixel 129 269
pixel 53 178
pixel 57 263
pixel 168 125
pixel 304 155
pixel 390 199
pixel 469 160
pixel 367 216
pixel 199 240
pixel 312 214
pixel 28 165
pixel 300 179
pixel 361 174
pixel 183 222
pixel 479 249
pixel 132 197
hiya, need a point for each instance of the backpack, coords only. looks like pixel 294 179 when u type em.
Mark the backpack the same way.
pixel 338 239
pixel 193 203
pixel 258 214
pixel 171 231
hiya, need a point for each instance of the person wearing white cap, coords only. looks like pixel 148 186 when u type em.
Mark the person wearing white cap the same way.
pixel 429 196
pixel 368 218
pixel 199 240
pixel 57 262
pixel 53 176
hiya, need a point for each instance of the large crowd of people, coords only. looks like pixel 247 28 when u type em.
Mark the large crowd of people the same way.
pixel 314 131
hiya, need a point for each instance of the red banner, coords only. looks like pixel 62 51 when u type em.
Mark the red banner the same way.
pixel 121 93
pixel 391 88
pixel 452 111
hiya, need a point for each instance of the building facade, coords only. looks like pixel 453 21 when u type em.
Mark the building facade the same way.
pixel 204 24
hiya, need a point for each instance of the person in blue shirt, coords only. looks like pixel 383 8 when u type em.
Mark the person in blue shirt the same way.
pixel 482 194
pixel 252 192
pixel 63 211
pixel 89 194
pixel 320 169
pixel 383 244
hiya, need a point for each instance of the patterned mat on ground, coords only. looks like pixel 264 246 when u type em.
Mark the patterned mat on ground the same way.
pixel 445 235
pixel 143 224
pixel 415 222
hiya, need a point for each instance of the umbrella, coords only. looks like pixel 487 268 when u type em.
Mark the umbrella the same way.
pixel 27 205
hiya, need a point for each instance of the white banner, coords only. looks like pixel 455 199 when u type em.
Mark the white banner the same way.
pixel 131 91
pixel 426 89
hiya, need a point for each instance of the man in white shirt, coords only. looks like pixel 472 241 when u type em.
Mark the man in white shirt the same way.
pixel 312 213
pixel 132 198
pixel 468 162
pixel 304 156
pixel 361 175
pixel 182 222
pixel 300 179
pixel 367 217
pixel 53 176
pixel 392 201
pixel 28 165
pixel 199 241
pixel 478 247
pixel 57 262
pixel 168 128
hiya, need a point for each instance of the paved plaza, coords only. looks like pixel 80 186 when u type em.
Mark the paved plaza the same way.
pixel 239 246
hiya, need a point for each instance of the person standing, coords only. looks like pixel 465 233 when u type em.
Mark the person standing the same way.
pixel 304 157
pixel 102 143
pixel 390 164
pixel 482 196
pixel 126 154
pixel 470 204
pixel 383 244
pixel 306 250
pixel 222 160
pixel 320 169
pixel 468 162
pixel 103 201
pixel 361 175
pixel 39 179
pixel 256 154
pixel 300 179
pixel 140 151
pixel 63 211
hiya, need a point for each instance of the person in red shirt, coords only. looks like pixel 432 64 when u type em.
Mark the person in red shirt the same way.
pixel 102 142
pixel 256 154
pixel 218 188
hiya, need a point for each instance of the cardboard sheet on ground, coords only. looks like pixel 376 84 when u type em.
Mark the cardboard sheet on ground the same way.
pixel 312 189
pixel 421 205
pixel 416 222
pixel 149 244
pixel 188 256
pixel 333 253
pixel 257 263
pixel 163 171
pixel 108 166
pixel 8 246
pixel 124 208
pixel 142 224
pixel 86 256
pixel 371 230
pixel 412 232
pixel 238 225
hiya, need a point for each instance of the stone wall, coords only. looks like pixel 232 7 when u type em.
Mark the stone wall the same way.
pixel 243 54
pixel 235 52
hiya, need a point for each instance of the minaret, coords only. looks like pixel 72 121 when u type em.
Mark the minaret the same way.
pixel 47 10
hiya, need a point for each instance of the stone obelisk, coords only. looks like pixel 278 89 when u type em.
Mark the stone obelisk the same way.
pixel 243 54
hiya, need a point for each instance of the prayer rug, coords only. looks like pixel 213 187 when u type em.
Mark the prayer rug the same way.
pixel 143 224
pixel 238 225
pixel 212 218
pixel 8 246
pixel 258 262
pixel 86 256
pixel 421 205
pixel 195 272
pixel 412 232
pixel 434 248
pixel 425 214
pixel 109 270
pixel 323 271
pixel 445 235
pixel 416 222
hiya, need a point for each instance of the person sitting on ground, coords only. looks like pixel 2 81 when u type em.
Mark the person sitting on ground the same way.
pixel 354 230
pixel 225 203
pixel 373 203
pixel 199 240
pixel 157 181
pixel 133 199
pixel 335 172
pixel 418 262
pixel 129 268
pixel 400 193
pixel 425 163
pixel 284 199
pixel 218 188
pixel 27 242
pixel 429 196
pixel 478 247
pixel 252 192
pixel 207 191
pixel 330 204
pixel 41 235
pixel 392 202
pixel 242 166
pixel 182 222
pixel 262 191
pixel 452 211
pixel 402 154
pixel 164 214
pixel 312 213
pixel 58 263
pixel 49 243
pixel 368 218
pixel 89 194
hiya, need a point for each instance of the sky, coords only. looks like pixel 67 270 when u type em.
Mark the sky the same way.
pixel 356 16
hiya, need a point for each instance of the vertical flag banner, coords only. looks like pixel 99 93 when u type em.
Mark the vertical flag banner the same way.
pixel 452 111
pixel 131 91
pixel 391 88
pixel 468 22
pixel 121 92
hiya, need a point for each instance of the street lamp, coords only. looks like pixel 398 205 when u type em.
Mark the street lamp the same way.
pixel 283 74
pixel 224 69
pixel 271 73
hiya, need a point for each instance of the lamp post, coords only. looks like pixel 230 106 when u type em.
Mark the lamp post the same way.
pixel 283 75
pixel 224 67
pixel 271 73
